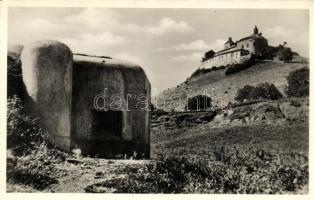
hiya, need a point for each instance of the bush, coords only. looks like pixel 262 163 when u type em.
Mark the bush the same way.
pixel 23 133
pixel 200 71
pixel 247 171
pixel 35 169
pixel 261 91
pixel 298 83
pixel 30 159
pixel 14 75
pixel 239 67
pixel 244 93
pixel 199 102
pixel 285 54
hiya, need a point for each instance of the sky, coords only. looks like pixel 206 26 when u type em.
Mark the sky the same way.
pixel 167 43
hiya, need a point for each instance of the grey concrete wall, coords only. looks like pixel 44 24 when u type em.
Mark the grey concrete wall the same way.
pixel 47 75
pixel 62 93
pixel 90 78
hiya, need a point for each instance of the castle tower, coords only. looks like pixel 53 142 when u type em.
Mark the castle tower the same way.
pixel 255 30
pixel 229 43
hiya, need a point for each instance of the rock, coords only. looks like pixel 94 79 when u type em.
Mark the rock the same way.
pixel 247 120
pixel 237 122
pixel 230 112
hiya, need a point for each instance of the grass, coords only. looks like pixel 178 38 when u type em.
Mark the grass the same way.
pixel 198 141
pixel 216 81
pixel 247 171
pixel 255 158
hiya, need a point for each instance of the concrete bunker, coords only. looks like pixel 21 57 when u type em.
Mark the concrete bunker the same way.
pixel 96 104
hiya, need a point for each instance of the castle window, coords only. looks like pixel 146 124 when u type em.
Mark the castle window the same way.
pixel 247 45
pixel 242 46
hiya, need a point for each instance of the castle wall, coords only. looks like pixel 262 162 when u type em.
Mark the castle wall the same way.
pixel 47 75
pixel 247 45
pixel 255 46
pixel 223 60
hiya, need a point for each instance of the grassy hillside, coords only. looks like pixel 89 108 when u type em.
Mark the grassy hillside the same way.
pixel 218 85
pixel 278 126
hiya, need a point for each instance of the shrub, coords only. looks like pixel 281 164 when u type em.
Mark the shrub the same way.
pixel 298 83
pixel 247 170
pixel 200 71
pixel 23 134
pixel 35 169
pixel 267 91
pixel 199 102
pixel 244 93
pixel 14 74
pixel 261 91
pixel 30 159
pixel 285 54
pixel 239 67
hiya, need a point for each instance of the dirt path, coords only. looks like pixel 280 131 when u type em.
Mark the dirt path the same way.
pixel 75 177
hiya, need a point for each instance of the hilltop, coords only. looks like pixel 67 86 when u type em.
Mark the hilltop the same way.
pixel 218 85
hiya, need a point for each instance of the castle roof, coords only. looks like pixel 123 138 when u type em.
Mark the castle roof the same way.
pixel 225 49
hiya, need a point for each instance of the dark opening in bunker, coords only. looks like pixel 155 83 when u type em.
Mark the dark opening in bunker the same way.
pixel 107 123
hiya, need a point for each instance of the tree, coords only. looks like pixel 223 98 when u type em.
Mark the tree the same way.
pixel 298 83
pixel 268 91
pixel 285 54
pixel 244 93
pixel 261 91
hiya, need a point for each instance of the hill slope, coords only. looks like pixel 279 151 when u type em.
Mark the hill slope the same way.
pixel 223 88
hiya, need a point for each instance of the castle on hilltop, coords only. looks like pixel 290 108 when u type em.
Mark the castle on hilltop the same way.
pixel 236 52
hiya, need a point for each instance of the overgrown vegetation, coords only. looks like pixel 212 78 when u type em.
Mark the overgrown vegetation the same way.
pixel 30 159
pixel 285 54
pixel 14 75
pixel 261 91
pixel 298 83
pixel 202 71
pixel 23 134
pixel 239 67
pixel 234 170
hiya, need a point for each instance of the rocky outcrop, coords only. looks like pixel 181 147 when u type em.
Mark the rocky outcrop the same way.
pixel 173 120
pixel 263 112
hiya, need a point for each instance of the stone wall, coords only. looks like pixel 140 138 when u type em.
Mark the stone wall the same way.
pixel 256 46
pixel 224 60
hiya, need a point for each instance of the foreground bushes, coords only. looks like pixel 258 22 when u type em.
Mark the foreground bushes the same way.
pixel 248 171
pixel 29 157
pixel 23 134
pixel 261 91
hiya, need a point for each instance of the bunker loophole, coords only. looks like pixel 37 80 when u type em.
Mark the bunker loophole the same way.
pixel 107 123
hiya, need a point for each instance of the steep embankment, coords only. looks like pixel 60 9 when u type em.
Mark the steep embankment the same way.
pixel 223 88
